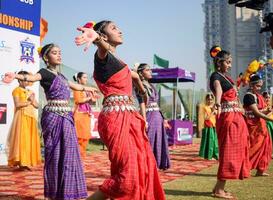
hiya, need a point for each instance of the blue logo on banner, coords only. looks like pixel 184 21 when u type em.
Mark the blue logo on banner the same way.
pixel 27 48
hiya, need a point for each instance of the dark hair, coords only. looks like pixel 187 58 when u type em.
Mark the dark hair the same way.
pixel 254 78
pixel 209 95
pixel 220 57
pixel 46 49
pixel 100 26
pixel 23 72
pixel 78 76
pixel 141 67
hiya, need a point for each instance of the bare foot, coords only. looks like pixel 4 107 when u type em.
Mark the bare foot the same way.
pixel 261 174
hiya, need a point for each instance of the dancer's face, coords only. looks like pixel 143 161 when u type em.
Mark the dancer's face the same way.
pixel 113 34
pixel 54 56
pixel 147 73
pixel 226 65
pixel 257 86
pixel 83 80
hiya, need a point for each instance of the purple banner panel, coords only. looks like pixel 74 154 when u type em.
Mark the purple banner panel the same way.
pixel 172 75
pixel 181 132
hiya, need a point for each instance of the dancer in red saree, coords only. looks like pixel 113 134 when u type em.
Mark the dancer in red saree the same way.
pixel 256 116
pixel 134 173
pixel 230 127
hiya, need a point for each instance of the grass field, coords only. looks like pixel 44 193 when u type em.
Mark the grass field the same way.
pixel 199 186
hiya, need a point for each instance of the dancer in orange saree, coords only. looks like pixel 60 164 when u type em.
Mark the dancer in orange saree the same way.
pixel 260 142
pixel 134 174
pixel 82 113
pixel 230 127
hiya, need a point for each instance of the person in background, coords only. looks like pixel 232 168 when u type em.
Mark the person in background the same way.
pixel 268 102
pixel 24 140
pixel 209 143
pixel 155 123
pixel 256 111
pixel 82 113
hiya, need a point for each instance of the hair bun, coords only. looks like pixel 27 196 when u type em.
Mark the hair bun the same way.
pixel 214 51
pixel 75 76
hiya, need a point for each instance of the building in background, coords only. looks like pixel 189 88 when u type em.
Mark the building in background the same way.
pixel 267 51
pixel 236 30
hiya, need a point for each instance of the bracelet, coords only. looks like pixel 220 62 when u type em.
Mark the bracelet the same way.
pixel 99 39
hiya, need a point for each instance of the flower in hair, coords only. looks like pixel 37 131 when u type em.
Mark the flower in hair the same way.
pixel 39 50
pixel 90 24
pixel 214 51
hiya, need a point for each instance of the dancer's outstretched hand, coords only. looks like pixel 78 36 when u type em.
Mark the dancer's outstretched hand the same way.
pixel 8 77
pixel 87 37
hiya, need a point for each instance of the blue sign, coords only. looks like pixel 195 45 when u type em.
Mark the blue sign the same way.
pixel 27 48
pixel 21 15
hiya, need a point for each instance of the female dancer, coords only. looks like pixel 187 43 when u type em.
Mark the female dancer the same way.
pixel 82 113
pixel 230 127
pixel 209 142
pixel 23 140
pixel 268 102
pixel 260 142
pixel 155 122
pixel 63 171
pixel 133 168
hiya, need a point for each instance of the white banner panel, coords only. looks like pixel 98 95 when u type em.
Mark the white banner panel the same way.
pixel 19 40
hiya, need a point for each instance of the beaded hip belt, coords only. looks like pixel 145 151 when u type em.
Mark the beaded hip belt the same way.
pixel 152 107
pixel 58 106
pixel 117 103
pixel 230 106
pixel 249 113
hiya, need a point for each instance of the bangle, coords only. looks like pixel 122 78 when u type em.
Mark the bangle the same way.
pixel 83 88
pixel 99 39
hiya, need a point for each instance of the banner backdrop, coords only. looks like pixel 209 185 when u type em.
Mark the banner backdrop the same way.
pixel 19 40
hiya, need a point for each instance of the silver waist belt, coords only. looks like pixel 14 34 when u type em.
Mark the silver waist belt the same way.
pixel 58 109
pixel 152 107
pixel 231 106
pixel 118 103
pixel 58 106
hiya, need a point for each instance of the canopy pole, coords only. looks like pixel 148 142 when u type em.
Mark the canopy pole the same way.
pixel 174 98
pixel 193 102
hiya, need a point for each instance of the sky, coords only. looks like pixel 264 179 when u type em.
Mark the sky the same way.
pixel 172 29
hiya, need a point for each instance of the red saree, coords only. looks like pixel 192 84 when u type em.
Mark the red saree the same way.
pixel 134 173
pixel 260 142
pixel 233 142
